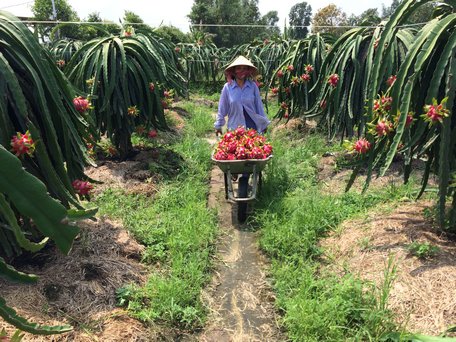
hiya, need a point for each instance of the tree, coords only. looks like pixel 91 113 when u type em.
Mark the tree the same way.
pixel 224 13
pixel 369 17
pixel 132 18
pixel 300 15
pixel 42 10
pixel 328 19
pixel 387 11
pixel 172 34
pixel 270 19
pixel 203 12
pixel 88 32
pixel 421 15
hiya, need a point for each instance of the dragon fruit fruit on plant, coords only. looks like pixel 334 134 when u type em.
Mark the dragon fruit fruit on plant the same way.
pixel 152 133
pixel 242 144
pixel 81 104
pixel 81 187
pixel 435 112
pixel 22 144
pixel 333 80
pixel 362 146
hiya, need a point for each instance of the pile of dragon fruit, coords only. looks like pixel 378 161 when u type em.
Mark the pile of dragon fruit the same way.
pixel 242 144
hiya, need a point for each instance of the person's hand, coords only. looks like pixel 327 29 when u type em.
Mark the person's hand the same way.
pixel 218 132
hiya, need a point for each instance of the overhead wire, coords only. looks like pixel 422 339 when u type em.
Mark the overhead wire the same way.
pixel 201 25
pixel 20 4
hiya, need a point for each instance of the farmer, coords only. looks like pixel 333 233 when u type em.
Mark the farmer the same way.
pixel 241 102
pixel 240 99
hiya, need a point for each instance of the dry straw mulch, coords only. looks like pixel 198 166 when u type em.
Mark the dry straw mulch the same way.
pixel 79 289
pixel 423 294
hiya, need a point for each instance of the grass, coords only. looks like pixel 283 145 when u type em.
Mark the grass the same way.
pixel 177 229
pixel 294 215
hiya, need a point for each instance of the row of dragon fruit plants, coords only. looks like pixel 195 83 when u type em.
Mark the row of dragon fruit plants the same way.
pixel 386 90
pixel 381 90
pixel 50 123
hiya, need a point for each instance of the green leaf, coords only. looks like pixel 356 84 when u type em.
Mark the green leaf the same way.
pixel 28 194
pixel 8 272
pixel 76 215
pixel 21 323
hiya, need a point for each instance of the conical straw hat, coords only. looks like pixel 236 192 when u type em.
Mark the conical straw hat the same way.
pixel 241 60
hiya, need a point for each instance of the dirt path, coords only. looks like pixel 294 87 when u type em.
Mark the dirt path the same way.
pixel 239 296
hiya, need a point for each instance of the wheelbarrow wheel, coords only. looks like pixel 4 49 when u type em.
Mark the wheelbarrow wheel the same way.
pixel 242 193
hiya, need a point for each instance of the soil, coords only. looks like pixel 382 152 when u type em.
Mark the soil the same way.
pixel 79 289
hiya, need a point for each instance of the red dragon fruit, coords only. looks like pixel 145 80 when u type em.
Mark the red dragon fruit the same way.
pixel 305 77
pixel 221 155
pixel 252 133
pixel 267 148
pixel 240 131
pixel 82 187
pixel 390 81
pixel 232 146
pixel 22 144
pixel 333 80
pixel 383 127
pixel 362 146
pixel 257 153
pixel 436 112
pixel 81 104
pixel 248 145
pixel 309 68
pixel 241 152
pixel 152 133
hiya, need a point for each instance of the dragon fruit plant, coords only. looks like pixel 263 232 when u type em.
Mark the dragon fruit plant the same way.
pixel 134 77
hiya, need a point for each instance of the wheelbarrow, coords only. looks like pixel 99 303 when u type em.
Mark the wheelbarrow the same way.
pixel 247 169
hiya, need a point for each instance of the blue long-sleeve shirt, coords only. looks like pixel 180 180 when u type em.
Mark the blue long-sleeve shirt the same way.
pixel 233 101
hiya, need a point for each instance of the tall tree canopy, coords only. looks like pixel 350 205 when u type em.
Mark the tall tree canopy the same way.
pixel 230 12
pixel 133 18
pixel 369 17
pixel 42 10
pixel 388 10
pixel 270 19
pixel 300 15
pixel 421 15
pixel 328 20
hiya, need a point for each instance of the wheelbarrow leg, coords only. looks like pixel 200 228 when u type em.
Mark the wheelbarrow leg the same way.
pixel 242 193
pixel 225 177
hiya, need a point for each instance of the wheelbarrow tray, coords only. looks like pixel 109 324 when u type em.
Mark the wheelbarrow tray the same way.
pixel 250 166
pixel 242 166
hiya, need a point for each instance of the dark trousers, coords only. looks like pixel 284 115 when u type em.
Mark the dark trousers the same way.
pixel 249 123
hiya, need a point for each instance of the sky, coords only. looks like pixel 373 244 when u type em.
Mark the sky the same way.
pixel 174 12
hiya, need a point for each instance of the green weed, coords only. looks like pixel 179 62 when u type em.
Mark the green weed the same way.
pixel 294 215
pixel 177 229
pixel 423 250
